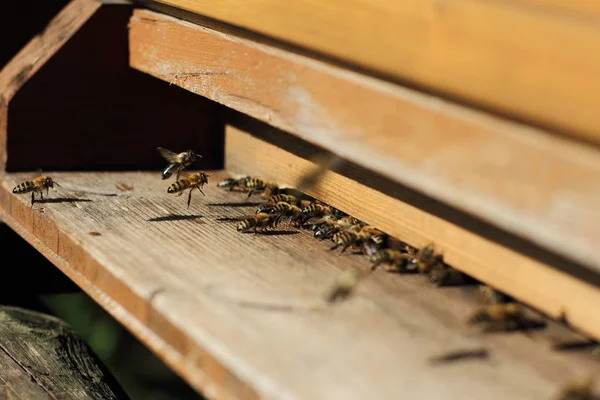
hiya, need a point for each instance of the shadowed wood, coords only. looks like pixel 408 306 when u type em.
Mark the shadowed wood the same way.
pixel 74 78
pixel 243 316
pixel 555 292
pixel 534 60
pixel 525 181
pixel 43 358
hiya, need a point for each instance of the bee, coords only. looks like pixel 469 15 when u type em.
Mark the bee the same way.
pixel 427 258
pixel 261 221
pixel 232 183
pixel 396 261
pixel 326 230
pixel 284 198
pixel 494 295
pixel 581 389
pixel 501 317
pixel 371 239
pixel 343 286
pixel 192 181
pixel 315 210
pixel 286 210
pixel 36 185
pixel 258 185
pixel 177 162
pixel 345 239
pixel 443 275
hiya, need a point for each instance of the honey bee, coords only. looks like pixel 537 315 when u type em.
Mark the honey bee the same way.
pixel 258 185
pixel 256 222
pixel 326 230
pixel 343 286
pixel 444 275
pixel 315 210
pixel 501 317
pixel 285 210
pixel 192 181
pixel 371 239
pixel 494 295
pixel 177 162
pixel 427 258
pixel 36 185
pixel 581 389
pixel 232 183
pixel 344 239
pixel 284 198
pixel 395 260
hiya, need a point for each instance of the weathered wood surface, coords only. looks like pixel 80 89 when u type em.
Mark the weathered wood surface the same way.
pixel 557 292
pixel 50 79
pixel 535 60
pixel 41 357
pixel 525 181
pixel 242 316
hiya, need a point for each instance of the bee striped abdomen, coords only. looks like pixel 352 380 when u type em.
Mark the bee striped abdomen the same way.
pixel 24 187
pixel 255 183
pixel 178 186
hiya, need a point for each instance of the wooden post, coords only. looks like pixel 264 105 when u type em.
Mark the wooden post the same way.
pixel 42 357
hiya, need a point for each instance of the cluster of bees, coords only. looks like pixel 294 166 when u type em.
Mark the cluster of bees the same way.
pixel 348 233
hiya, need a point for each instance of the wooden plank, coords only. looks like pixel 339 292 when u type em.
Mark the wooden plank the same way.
pixel 556 293
pixel 242 316
pixel 470 50
pixel 525 181
pixel 41 357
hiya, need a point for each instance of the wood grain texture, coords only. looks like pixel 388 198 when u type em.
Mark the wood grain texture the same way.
pixel 533 60
pixel 41 357
pixel 528 182
pixel 554 292
pixel 242 316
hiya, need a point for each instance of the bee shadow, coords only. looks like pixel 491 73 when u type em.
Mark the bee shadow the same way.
pixel 62 200
pixel 175 217
pixel 235 204
pixel 575 345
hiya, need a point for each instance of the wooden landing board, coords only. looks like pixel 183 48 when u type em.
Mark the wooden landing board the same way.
pixel 536 60
pixel 242 316
pixel 525 181
pixel 555 292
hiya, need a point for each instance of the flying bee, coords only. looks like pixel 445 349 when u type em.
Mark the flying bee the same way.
pixel 396 261
pixel 501 317
pixel 233 183
pixel 343 286
pixel 192 181
pixel 177 162
pixel 36 185
pixel 256 222
pixel 443 275
pixel 427 258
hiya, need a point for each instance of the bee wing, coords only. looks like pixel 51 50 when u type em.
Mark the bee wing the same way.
pixel 167 154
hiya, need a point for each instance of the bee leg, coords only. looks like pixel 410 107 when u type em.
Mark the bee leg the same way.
pixel 335 246
pixel 32 198
pixel 200 190
pixel 190 197
pixel 180 193
pixel 177 176
pixel 345 247
pixel 250 192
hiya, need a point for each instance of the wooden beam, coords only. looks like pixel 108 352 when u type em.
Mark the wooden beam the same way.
pixel 476 51
pixel 243 317
pixel 525 181
pixel 557 293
